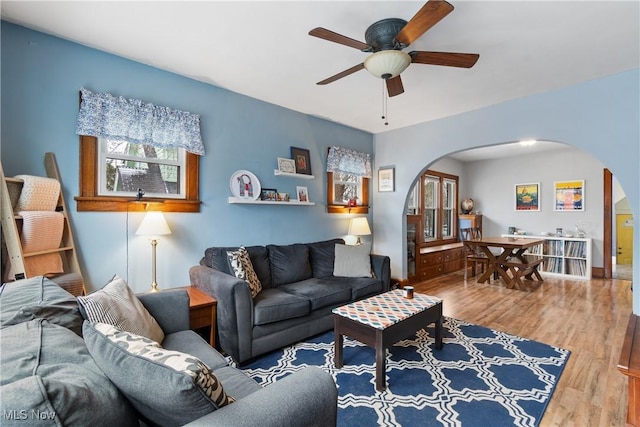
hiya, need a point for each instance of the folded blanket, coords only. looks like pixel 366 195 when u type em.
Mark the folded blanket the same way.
pixel 41 231
pixel 38 193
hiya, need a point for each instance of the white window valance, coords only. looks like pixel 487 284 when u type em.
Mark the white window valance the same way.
pixel 349 161
pixel 107 116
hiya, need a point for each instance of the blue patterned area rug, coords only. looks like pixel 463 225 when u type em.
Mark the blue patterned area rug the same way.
pixel 481 377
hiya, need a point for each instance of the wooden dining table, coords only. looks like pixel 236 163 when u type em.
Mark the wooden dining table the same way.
pixel 511 263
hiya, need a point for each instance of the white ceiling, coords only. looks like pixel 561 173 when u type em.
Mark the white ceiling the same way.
pixel 262 49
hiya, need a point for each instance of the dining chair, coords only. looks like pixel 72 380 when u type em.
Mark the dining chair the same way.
pixel 474 255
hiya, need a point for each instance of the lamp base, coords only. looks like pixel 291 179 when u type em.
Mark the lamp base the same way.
pixel 154 287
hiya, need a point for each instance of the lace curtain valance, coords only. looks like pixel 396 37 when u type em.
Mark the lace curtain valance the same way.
pixel 349 161
pixel 108 116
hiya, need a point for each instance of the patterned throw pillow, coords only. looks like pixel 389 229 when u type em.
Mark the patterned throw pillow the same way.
pixel 117 305
pixel 241 267
pixel 167 387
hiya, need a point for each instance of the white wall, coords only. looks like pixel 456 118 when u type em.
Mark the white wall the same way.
pixel 491 184
pixel 600 117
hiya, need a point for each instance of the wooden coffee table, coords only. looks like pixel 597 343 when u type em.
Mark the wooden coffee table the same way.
pixel 383 320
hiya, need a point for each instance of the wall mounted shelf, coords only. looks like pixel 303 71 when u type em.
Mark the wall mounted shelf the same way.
pixel 293 202
pixel 276 172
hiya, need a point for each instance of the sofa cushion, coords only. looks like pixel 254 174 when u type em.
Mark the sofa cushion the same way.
pixel 352 261
pixel 241 266
pixel 117 305
pixel 39 297
pixel 167 387
pixel 190 342
pixel 322 255
pixel 320 292
pixel 216 258
pixel 47 369
pixel 236 382
pixel 360 286
pixel 273 305
pixel 289 263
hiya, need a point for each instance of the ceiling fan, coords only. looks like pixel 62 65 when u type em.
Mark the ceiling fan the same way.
pixel 386 39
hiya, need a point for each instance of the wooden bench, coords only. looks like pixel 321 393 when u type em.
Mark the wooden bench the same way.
pixel 519 267
pixel 629 365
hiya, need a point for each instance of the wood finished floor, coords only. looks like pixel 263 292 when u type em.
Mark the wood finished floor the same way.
pixel 588 318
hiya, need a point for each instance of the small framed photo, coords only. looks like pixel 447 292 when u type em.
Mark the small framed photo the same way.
pixel 303 194
pixel 386 179
pixel 269 194
pixel 286 165
pixel 302 160
pixel 527 197
pixel 568 195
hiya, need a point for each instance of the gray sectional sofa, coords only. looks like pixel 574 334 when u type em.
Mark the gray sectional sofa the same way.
pixel 299 290
pixel 51 376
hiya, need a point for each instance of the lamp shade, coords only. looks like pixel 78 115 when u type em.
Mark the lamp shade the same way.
pixel 386 64
pixel 153 224
pixel 359 227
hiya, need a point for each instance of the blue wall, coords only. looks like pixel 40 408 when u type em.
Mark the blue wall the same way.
pixel 41 77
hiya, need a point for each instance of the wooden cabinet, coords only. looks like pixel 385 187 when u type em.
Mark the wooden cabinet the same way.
pixel 438 260
pixel 413 227
pixel 470 220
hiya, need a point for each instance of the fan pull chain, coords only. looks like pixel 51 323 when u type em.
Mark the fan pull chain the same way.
pixel 384 103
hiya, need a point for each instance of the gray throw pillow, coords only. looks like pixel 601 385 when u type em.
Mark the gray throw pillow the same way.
pixel 166 387
pixel 352 261
pixel 117 305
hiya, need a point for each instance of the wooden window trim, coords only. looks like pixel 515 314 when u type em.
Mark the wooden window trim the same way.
pixel 334 208
pixel 90 201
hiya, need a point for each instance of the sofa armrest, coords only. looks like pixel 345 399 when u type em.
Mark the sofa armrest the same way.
pixel 170 308
pixel 234 309
pixel 381 265
pixel 305 398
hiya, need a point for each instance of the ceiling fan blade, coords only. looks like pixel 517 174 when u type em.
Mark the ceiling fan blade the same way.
pixel 342 74
pixel 325 34
pixel 448 59
pixel 394 86
pixel 429 15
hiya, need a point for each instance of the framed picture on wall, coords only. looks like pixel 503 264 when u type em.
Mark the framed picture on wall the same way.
pixel 568 195
pixel 286 165
pixel 386 179
pixel 302 160
pixel 303 194
pixel 527 197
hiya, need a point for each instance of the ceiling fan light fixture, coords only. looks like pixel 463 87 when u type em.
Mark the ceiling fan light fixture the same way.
pixel 387 64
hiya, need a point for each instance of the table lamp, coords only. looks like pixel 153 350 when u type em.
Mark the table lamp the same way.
pixel 153 225
pixel 359 227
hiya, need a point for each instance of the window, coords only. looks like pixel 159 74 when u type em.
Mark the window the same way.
pixel 124 168
pixel 437 210
pixel 99 168
pixel 342 187
pixel 430 207
pixel 165 166
pixel 348 175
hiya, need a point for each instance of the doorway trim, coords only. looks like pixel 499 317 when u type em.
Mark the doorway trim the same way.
pixel 607 271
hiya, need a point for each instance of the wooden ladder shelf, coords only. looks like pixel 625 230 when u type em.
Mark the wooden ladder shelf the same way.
pixel 71 279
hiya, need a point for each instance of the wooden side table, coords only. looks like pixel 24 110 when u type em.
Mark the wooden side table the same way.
pixel 202 311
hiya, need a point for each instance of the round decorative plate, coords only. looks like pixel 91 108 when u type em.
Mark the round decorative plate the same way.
pixel 245 185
